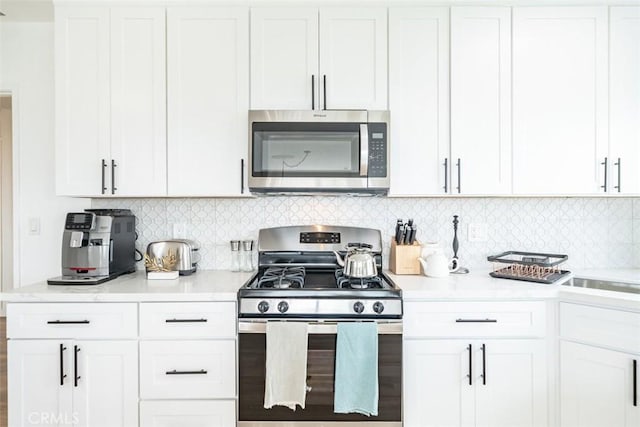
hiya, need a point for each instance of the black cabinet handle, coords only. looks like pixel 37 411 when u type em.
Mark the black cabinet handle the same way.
pixel 446 175
pixel 185 320
pixel 313 92
pixel 484 365
pixel 476 321
pixel 174 372
pixel 470 349
pixel 241 176
pixel 606 168
pixel 62 374
pixel 76 377
pixel 104 166
pixel 459 165
pixel 635 382
pixel 324 90
pixel 619 165
pixel 113 176
pixel 68 322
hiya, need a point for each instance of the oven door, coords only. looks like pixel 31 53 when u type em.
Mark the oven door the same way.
pixel 308 150
pixel 320 377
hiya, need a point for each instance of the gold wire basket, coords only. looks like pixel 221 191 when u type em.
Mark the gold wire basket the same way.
pixel 528 266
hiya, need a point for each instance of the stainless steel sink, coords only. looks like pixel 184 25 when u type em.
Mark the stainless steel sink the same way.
pixel 606 285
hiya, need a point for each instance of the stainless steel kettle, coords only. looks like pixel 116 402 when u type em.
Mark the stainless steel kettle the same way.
pixel 358 262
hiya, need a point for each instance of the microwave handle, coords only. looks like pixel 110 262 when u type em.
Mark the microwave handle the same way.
pixel 364 149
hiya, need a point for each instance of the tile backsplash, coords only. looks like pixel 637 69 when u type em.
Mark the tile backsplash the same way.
pixel 594 232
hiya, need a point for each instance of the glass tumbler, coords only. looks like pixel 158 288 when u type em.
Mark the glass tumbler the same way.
pixel 246 255
pixel 235 255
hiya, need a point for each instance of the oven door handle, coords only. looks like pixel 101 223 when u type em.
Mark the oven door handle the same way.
pixel 364 149
pixel 260 327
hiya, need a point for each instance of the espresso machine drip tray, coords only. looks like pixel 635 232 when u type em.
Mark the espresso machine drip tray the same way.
pixel 75 280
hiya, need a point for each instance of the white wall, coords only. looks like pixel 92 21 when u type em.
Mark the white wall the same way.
pixel 26 70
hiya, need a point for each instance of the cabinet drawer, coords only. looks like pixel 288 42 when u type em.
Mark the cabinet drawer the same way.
pixel 72 320
pixel 600 326
pixel 187 369
pixel 188 320
pixel 198 413
pixel 474 319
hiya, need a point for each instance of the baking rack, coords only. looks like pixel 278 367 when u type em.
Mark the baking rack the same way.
pixel 528 266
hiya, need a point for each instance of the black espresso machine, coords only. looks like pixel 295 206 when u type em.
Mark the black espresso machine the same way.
pixel 97 245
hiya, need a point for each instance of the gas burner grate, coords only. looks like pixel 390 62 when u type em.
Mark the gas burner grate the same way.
pixel 345 282
pixel 282 278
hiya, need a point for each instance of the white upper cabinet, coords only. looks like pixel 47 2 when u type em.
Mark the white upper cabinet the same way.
pixel 332 58
pixel 284 58
pixel 110 101
pixel 353 58
pixel 138 102
pixel 481 100
pixel 419 100
pixel 208 100
pixel 82 100
pixel 559 100
pixel 624 100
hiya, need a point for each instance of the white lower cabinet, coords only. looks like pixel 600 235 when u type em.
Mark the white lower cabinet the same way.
pixel 188 369
pixel 599 357
pixel 475 383
pixel 67 382
pixel 597 387
pixel 196 413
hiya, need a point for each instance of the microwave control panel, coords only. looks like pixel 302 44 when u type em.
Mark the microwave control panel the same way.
pixel 377 150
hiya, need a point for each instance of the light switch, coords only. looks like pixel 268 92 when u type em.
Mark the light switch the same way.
pixel 34 226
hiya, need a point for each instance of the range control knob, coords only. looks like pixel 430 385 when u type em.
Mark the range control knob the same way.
pixel 283 306
pixel 378 307
pixel 263 306
pixel 358 307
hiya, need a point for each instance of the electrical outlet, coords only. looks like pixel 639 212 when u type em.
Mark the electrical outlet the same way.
pixel 477 232
pixel 179 230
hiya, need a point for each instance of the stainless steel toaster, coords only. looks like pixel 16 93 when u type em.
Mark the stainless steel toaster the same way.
pixel 187 253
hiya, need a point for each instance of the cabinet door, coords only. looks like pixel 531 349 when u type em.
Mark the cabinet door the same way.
pixel 481 100
pixel 511 383
pixel 353 57
pixel 39 381
pixel 208 99
pixel 624 99
pixel 419 100
pixel 559 100
pixel 596 387
pixel 284 58
pixel 138 102
pixel 188 413
pixel 437 391
pixel 106 394
pixel 82 100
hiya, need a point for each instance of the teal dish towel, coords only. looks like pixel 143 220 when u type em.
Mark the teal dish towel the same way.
pixel 356 375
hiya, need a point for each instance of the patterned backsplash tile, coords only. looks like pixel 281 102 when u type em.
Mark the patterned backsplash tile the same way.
pixel 594 232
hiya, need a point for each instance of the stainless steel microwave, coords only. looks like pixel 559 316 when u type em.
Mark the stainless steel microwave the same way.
pixel 319 151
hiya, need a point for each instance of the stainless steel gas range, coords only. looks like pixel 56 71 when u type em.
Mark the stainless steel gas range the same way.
pixel 299 279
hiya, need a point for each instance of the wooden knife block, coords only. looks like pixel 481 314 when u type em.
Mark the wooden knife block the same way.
pixel 404 258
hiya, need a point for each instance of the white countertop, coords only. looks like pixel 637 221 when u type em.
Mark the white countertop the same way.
pixel 478 285
pixel 222 285
pixel 203 285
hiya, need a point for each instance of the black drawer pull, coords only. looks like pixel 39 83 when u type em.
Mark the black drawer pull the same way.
pixel 635 382
pixel 76 377
pixel 62 374
pixel 476 321
pixel 68 322
pixel 470 375
pixel 174 372
pixel 185 320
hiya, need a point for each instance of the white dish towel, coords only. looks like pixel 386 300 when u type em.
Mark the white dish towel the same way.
pixel 286 374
